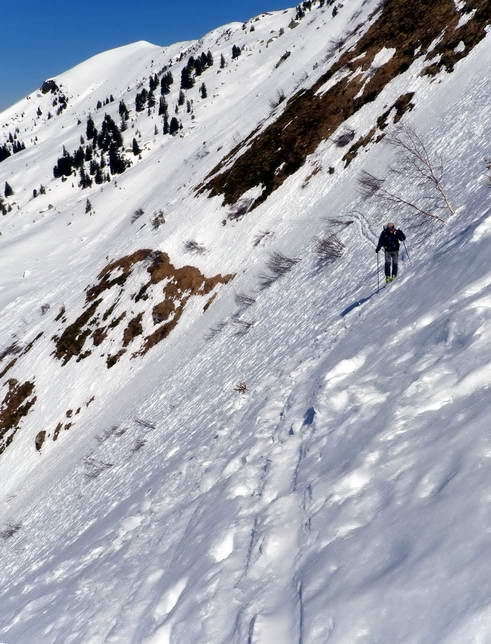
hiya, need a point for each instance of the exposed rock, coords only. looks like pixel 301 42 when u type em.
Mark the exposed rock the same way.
pixel 39 440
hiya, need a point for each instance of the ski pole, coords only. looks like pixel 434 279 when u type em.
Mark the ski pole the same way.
pixel 405 249
pixel 378 277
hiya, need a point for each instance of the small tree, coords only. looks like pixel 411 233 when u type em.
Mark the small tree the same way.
pixel 415 167
pixel 88 206
pixel 136 148
pixel 8 192
pixel 203 91
pixel 173 126
pixel 222 61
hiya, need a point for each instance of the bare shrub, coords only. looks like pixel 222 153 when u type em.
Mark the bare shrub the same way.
pixel 417 169
pixel 192 246
pixel 215 330
pixel 95 467
pixel 115 430
pixel 158 219
pixel 242 326
pixel 328 249
pixel 243 300
pixel 12 350
pixel 337 224
pixel 45 308
pixel 344 137
pixel 139 443
pixel 137 214
pixel 260 237
pixel 239 209
pixel 144 423
pixel 278 265
pixel 277 99
pixel 10 530
pixel 241 388
pixel 282 59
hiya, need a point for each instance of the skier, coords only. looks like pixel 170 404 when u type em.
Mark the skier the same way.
pixel 389 240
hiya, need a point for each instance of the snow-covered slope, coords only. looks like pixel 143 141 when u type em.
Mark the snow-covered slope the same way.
pixel 193 452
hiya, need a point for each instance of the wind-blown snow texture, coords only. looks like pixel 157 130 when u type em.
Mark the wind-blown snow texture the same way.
pixel 344 496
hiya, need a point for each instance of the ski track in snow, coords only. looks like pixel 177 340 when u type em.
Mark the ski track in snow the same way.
pixel 343 498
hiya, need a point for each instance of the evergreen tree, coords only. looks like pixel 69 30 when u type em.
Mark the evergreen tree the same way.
pixel 63 166
pixel 222 61
pixel 98 177
pixel 85 180
pixel 4 152
pixel 136 148
pixel 91 131
pixel 236 51
pixel 202 91
pixel 141 100
pixel 42 190
pixel 123 110
pixel 99 105
pixel 209 59
pixel 117 164
pixel 34 193
pixel 163 107
pixel 39 111
pixel 88 153
pixel 8 192
pixel 187 81
pixel 165 83
pixel 198 67
pixel 166 124
pixel 88 206
pixel 181 99
pixel 79 157
pixel 154 82
pixel 155 131
pixel 174 126
pixel 150 100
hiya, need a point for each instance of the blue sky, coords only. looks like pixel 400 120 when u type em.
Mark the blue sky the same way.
pixel 41 39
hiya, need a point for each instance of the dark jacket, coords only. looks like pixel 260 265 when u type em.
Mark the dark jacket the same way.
pixel 390 240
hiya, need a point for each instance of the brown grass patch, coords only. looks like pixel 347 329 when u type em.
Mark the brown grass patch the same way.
pixel 278 151
pixel 180 285
pixel 15 406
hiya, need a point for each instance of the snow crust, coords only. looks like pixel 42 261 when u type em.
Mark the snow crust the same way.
pixel 344 497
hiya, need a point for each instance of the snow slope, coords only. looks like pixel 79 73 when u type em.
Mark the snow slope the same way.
pixel 344 496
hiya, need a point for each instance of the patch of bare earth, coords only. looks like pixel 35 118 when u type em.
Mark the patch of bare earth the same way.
pixel 163 310
pixel 15 406
pixel 268 158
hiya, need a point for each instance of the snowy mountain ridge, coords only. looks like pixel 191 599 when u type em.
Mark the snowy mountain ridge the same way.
pixel 210 431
